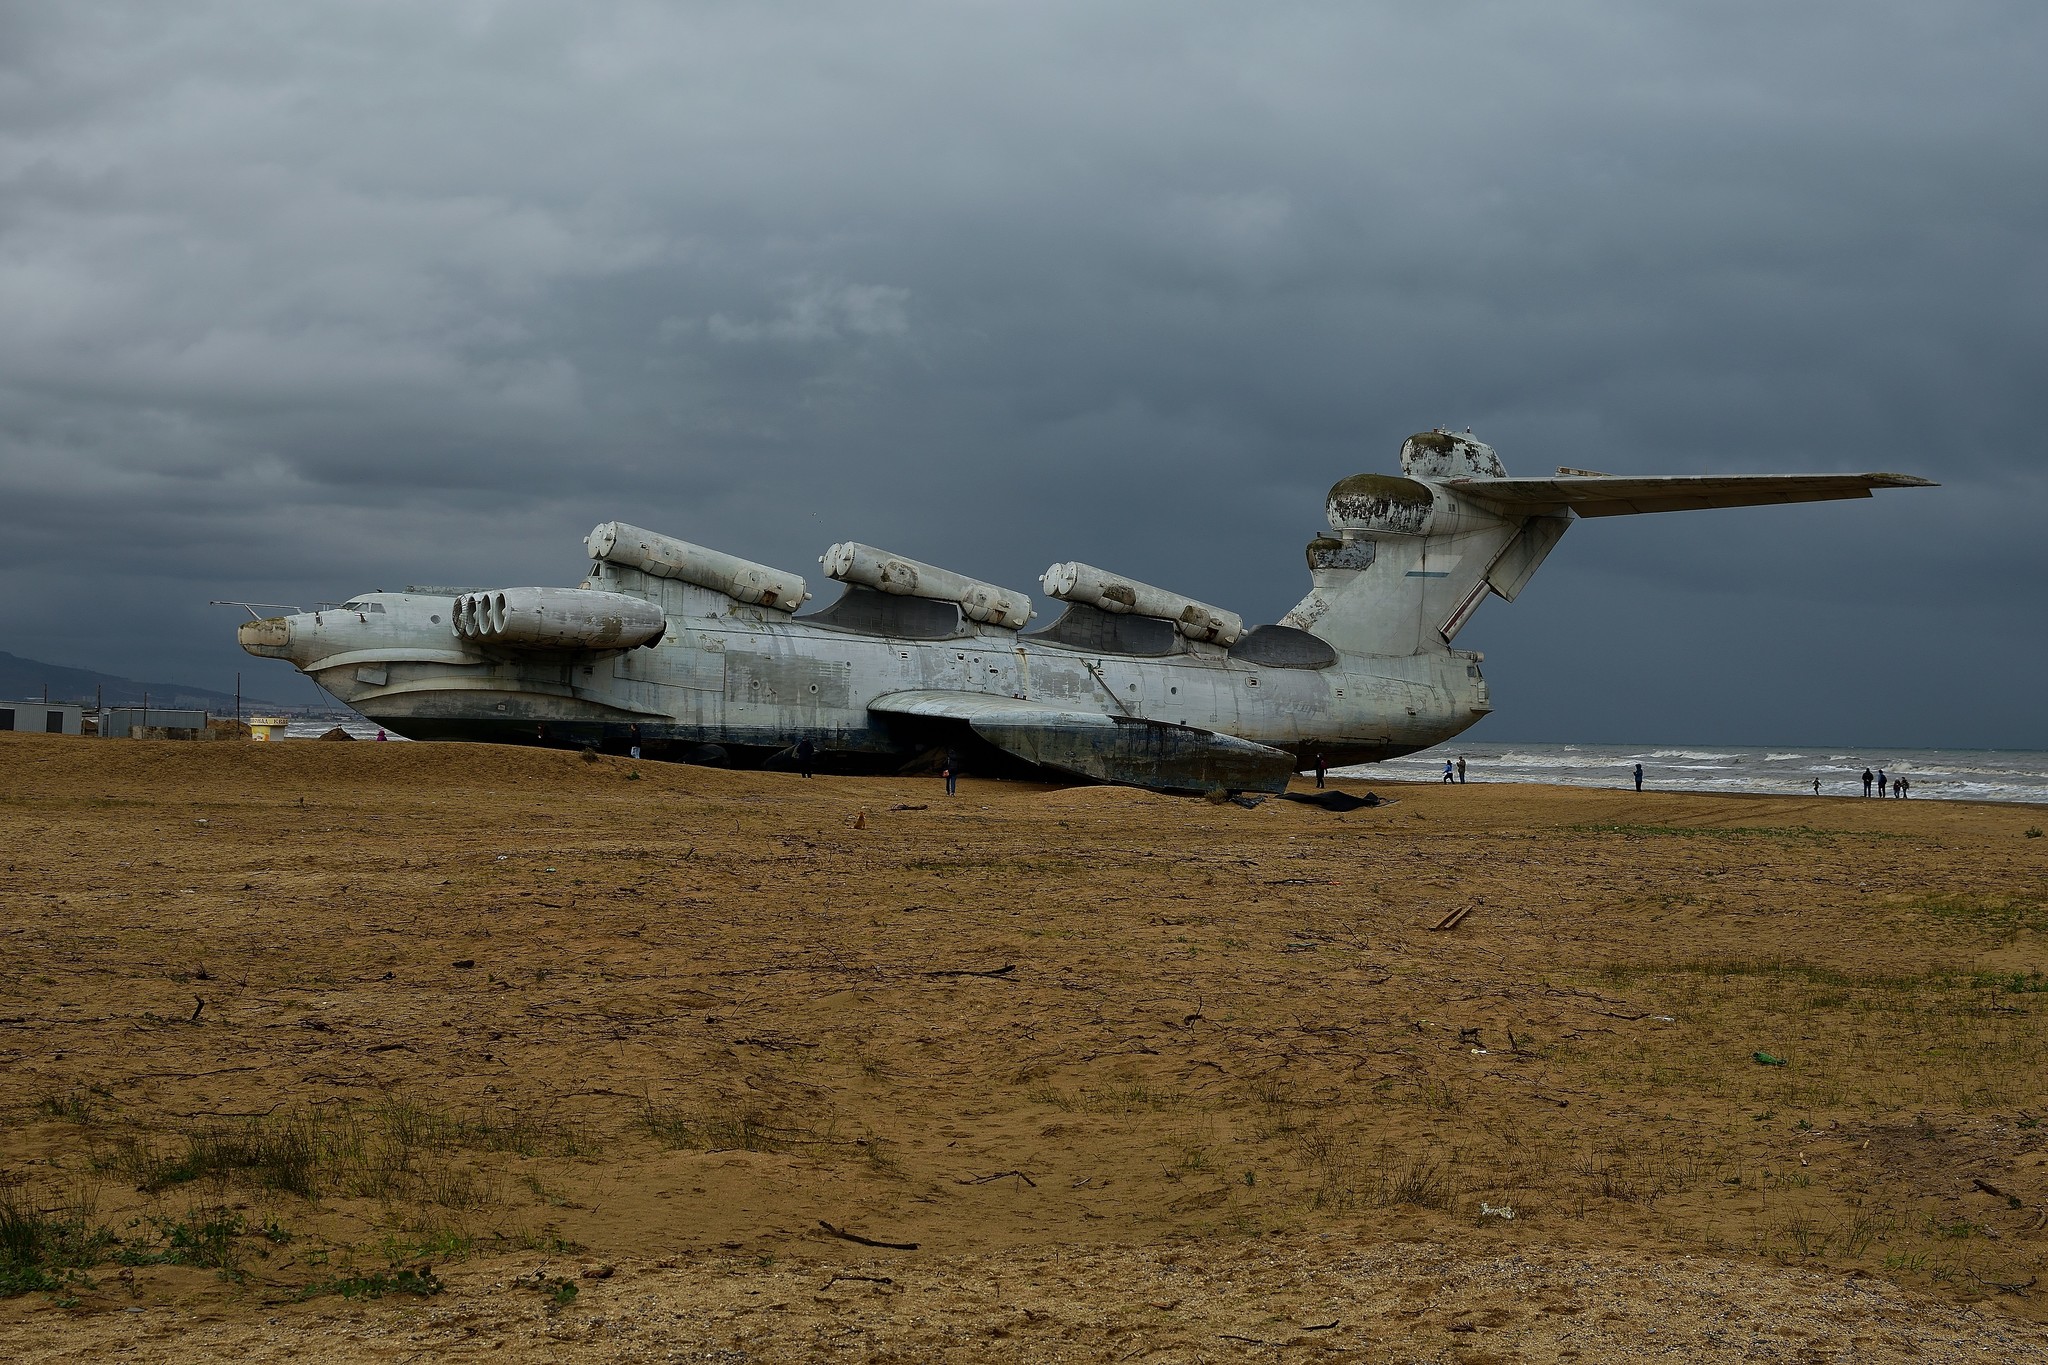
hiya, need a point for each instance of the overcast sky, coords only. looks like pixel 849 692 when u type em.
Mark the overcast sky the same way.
pixel 302 299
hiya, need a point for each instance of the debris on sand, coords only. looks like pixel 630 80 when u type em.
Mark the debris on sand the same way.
pixel 1337 801
pixel 1451 920
pixel 338 733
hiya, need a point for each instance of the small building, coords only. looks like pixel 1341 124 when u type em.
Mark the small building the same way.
pixel 151 722
pixel 42 717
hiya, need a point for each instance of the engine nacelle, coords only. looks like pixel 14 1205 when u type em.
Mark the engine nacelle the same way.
pixel 666 557
pixel 849 562
pixel 1090 586
pixel 557 618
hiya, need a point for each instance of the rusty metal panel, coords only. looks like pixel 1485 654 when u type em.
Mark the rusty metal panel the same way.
pixel 1346 552
pixel 684 661
pixel 1381 502
pixel 1445 454
pixel 786 680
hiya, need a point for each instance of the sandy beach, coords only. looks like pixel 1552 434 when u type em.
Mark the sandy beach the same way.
pixel 388 1051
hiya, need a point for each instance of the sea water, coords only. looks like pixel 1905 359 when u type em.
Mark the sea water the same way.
pixel 1931 774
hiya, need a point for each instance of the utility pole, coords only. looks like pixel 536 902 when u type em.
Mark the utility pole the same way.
pixel 238 701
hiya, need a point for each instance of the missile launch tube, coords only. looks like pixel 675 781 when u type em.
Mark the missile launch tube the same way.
pixel 557 618
pixel 1090 586
pixel 666 557
pixel 864 565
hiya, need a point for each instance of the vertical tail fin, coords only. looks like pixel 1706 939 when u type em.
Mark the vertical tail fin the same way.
pixel 1407 561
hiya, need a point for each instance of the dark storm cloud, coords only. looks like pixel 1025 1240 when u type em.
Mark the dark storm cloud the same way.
pixel 298 300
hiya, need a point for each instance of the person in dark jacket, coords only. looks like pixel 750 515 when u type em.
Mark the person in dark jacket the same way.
pixel 805 752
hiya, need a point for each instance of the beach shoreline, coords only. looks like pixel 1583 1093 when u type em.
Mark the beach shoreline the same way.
pixel 2016 776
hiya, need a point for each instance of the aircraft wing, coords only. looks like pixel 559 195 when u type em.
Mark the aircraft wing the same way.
pixel 1119 749
pixel 1605 495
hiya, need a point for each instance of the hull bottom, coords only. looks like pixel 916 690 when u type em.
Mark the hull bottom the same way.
pixel 878 753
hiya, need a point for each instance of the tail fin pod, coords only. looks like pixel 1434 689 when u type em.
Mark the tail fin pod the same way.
pixel 1443 454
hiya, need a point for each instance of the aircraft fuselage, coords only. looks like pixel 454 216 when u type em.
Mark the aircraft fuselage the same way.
pixel 753 681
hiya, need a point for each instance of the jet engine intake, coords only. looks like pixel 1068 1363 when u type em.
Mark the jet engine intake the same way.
pixel 666 557
pixel 850 562
pixel 1086 584
pixel 557 618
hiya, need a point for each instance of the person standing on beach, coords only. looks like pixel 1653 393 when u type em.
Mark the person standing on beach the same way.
pixel 1816 786
pixel 1881 783
pixel 952 771
pixel 1866 781
pixel 1461 768
pixel 805 752
pixel 1449 775
pixel 1639 777
pixel 1321 768
pixel 1903 786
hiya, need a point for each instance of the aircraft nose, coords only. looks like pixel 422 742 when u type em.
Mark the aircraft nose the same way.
pixel 268 638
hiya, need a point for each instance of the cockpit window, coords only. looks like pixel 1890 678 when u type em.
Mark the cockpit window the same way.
pixel 362 606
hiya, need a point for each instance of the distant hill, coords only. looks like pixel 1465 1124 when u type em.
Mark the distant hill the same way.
pixel 24 679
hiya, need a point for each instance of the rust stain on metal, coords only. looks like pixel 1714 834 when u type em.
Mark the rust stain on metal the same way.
pixel 1381 502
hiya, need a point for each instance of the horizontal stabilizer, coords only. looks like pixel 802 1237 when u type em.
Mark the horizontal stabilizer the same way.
pixel 1614 496
pixel 1119 749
